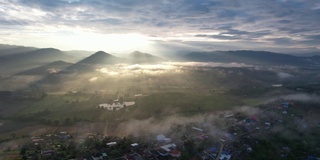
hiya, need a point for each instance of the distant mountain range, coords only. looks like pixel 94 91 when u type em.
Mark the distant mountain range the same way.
pixel 248 57
pixel 139 57
pixel 11 49
pixel 29 60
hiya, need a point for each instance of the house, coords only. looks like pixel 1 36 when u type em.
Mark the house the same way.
pixel 104 155
pixel 225 157
pixel 229 115
pixel 169 147
pixel 111 143
pixel 47 153
pixel 134 144
pixel 197 129
pixel 162 138
pixel 175 153
pixel 267 123
pixel 213 150
pixel 163 152
pixel 285 104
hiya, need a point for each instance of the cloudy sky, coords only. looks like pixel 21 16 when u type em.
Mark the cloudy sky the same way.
pixel 287 26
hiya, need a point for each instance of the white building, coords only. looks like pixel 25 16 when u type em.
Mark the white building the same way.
pixel 116 106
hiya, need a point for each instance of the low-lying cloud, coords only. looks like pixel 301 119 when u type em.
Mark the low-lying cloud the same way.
pixel 283 75
pixel 303 97
pixel 208 64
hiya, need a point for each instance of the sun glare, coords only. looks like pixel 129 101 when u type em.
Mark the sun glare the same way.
pixel 109 42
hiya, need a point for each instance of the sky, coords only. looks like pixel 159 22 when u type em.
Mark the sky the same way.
pixel 163 26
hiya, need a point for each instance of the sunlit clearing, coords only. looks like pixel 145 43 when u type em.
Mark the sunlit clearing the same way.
pixel 125 70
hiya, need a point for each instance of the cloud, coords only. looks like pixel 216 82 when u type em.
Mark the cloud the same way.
pixel 93 79
pixel 303 97
pixel 164 125
pixel 107 71
pixel 273 24
pixel 207 64
pixel 283 75
pixel 138 127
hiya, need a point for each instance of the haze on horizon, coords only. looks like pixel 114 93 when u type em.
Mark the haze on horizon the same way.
pixel 287 26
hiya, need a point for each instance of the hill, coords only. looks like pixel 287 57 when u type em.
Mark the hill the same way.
pixel 12 49
pixel 139 57
pixel 101 58
pixel 46 69
pixel 14 63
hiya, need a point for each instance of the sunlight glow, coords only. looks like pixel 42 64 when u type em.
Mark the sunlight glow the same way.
pixel 109 42
pixel 79 38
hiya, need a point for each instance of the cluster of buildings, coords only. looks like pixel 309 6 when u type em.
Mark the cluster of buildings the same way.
pixel 46 146
pixel 116 105
pixel 234 141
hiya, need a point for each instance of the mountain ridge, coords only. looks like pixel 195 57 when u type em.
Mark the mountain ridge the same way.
pixel 140 57
pixel 245 56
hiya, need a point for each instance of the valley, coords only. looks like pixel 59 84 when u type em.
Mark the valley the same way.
pixel 50 97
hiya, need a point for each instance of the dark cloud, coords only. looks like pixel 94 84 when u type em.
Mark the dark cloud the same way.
pixel 312 40
pixel 282 41
pixel 13 23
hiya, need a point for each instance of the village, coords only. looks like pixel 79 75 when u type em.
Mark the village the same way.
pixel 239 137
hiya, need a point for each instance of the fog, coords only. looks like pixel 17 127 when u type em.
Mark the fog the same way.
pixel 207 64
pixel 154 126
pixel 303 97
pixel 283 75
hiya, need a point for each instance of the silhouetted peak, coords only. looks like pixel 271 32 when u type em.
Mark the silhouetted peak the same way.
pixel 101 54
pixel 100 57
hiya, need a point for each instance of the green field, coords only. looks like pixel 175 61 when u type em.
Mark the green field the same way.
pixel 83 106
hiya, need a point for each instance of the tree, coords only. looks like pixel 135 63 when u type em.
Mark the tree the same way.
pixel 56 122
pixel 67 120
pixel 13 135
pixel 190 146
pixel 23 151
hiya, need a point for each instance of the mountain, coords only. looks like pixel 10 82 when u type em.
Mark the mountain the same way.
pixel 37 56
pixel 77 55
pixel 46 69
pixel 101 58
pixel 139 57
pixel 12 49
pixel 88 64
pixel 21 61
pixel 243 56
